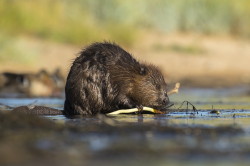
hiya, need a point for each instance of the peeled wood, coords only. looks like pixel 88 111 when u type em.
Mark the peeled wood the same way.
pixel 134 110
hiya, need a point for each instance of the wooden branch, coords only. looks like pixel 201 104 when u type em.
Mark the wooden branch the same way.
pixel 134 110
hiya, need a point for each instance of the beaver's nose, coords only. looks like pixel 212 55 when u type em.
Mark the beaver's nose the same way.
pixel 165 100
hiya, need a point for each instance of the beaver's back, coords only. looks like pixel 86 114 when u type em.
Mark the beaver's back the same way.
pixel 88 88
pixel 102 79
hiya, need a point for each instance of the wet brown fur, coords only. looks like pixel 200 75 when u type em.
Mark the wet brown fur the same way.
pixel 105 78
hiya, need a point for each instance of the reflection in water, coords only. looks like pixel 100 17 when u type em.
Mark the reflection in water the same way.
pixel 180 136
pixel 235 105
pixel 50 102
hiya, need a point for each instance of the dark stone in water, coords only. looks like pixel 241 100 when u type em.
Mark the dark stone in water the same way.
pixel 37 110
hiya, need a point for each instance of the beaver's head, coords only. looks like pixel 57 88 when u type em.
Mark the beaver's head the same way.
pixel 150 88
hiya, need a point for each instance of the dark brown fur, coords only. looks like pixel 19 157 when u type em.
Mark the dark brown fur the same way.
pixel 105 78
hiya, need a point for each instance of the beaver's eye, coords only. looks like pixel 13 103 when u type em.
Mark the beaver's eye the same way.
pixel 142 71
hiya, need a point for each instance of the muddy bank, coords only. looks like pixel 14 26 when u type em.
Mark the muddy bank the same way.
pixel 32 140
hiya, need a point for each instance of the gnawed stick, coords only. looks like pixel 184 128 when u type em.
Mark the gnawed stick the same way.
pixel 175 90
pixel 134 110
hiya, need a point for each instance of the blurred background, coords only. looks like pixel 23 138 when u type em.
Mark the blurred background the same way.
pixel 203 43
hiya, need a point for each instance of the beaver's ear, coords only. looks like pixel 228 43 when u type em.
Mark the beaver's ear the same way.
pixel 143 71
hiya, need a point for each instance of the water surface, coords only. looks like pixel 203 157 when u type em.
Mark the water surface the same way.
pixel 183 137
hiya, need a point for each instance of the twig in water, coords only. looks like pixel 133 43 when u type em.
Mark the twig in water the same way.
pixel 188 103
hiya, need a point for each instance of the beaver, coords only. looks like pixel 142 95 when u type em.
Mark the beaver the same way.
pixel 105 78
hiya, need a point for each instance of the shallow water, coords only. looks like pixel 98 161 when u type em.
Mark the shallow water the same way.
pixel 183 137
pixel 233 105
pixel 233 102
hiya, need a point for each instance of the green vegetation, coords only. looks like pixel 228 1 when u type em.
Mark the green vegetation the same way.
pixel 63 21
pixel 15 50
pixel 83 21
pixel 190 49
